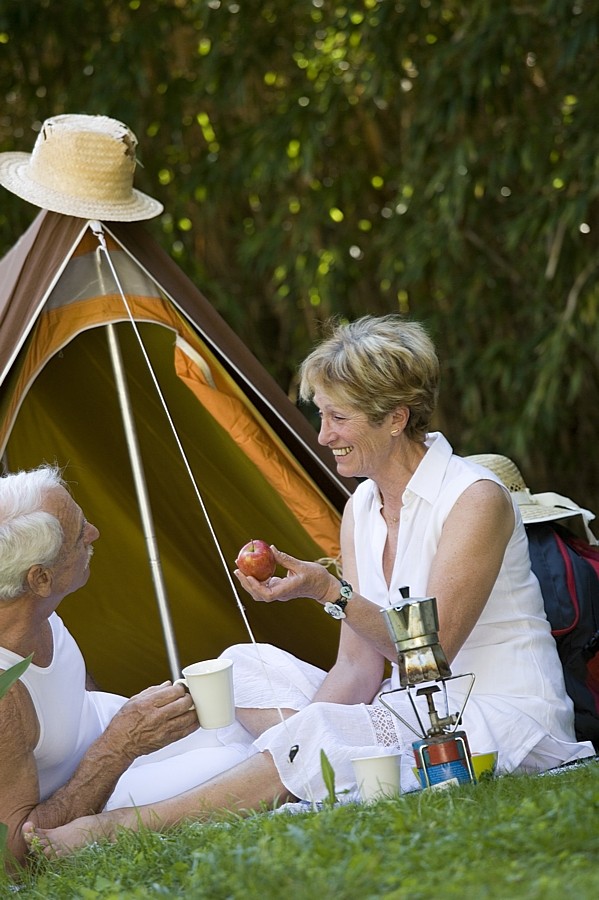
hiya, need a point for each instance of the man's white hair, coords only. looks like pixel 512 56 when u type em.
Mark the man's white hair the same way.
pixel 28 534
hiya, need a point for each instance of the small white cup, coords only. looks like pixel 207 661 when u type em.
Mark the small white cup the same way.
pixel 378 776
pixel 210 684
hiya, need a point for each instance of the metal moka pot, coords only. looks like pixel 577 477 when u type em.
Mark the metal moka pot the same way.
pixel 413 625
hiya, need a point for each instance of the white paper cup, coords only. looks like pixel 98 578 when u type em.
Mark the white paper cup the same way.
pixel 377 776
pixel 210 684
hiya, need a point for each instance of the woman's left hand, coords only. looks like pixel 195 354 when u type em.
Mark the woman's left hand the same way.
pixel 303 579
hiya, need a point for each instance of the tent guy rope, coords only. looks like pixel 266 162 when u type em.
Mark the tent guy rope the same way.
pixel 98 232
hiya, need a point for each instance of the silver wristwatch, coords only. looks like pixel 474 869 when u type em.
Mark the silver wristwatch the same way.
pixel 337 609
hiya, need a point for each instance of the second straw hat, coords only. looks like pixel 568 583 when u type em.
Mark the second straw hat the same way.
pixel 80 166
pixel 545 507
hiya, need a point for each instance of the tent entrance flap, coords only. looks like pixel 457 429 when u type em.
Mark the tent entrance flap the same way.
pixel 143 499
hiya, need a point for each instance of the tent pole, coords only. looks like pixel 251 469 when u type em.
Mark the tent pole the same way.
pixel 143 500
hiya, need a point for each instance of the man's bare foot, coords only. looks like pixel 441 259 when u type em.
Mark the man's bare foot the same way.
pixel 66 839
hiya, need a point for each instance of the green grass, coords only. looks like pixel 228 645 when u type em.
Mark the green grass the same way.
pixel 510 837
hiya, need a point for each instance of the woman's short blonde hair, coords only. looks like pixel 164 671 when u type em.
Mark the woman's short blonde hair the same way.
pixel 375 365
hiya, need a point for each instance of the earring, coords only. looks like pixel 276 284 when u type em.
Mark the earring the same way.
pixel 395 432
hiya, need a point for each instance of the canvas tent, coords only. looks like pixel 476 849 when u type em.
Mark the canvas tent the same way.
pixel 204 413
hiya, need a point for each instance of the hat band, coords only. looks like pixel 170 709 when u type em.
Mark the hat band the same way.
pixel 524 498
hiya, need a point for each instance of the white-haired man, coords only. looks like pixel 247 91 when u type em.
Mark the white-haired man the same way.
pixel 64 746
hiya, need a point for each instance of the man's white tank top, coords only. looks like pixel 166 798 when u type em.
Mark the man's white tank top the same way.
pixel 70 717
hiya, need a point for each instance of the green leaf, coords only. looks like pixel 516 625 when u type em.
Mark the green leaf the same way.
pixel 328 776
pixel 8 678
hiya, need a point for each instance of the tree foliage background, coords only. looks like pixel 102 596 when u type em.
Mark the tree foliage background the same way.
pixel 317 157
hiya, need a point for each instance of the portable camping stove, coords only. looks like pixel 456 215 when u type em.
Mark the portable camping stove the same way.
pixel 442 753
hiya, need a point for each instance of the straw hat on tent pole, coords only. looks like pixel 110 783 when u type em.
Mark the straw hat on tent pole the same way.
pixel 80 166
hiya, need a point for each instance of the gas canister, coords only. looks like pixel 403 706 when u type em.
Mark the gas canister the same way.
pixel 445 758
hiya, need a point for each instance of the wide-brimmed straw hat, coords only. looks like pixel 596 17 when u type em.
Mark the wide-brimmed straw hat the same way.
pixel 543 507
pixel 80 166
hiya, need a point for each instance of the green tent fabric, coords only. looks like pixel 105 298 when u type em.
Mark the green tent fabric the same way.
pixel 253 456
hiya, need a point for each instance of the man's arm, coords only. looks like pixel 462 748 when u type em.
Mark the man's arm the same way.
pixel 147 722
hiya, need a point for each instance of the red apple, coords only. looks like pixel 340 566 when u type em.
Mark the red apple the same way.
pixel 256 559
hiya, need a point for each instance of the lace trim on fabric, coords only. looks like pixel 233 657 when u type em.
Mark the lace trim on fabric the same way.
pixel 384 727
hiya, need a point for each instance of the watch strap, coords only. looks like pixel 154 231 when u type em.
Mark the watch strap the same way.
pixel 336 609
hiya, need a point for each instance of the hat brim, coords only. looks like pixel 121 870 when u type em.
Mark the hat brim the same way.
pixel 533 512
pixel 14 176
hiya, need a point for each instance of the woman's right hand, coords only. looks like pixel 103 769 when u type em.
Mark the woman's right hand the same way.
pixel 303 579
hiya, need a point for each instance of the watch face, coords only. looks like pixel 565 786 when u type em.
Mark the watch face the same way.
pixel 333 610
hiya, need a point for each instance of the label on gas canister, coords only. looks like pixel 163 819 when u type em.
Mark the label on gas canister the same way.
pixel 455 772
pixel 442 760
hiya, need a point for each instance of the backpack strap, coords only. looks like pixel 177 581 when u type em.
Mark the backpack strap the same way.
pixel 551 563
pixel 570 584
